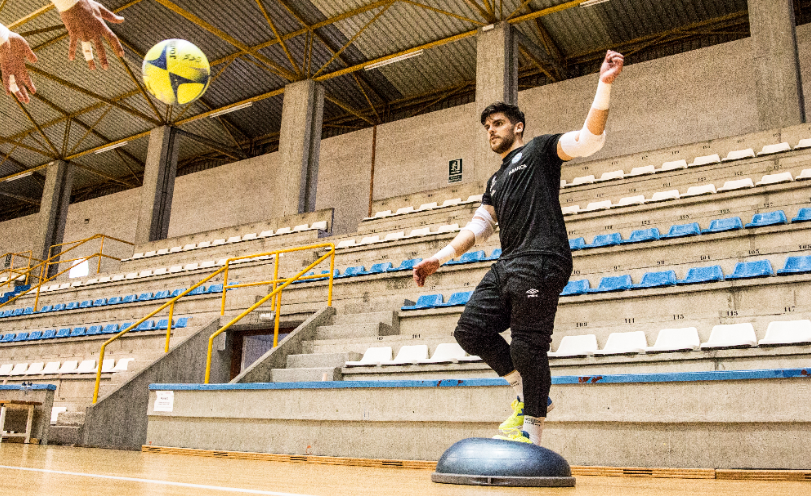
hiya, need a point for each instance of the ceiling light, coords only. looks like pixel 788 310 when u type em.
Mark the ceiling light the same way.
pixel 111 147
pixel 592 2
pixel 393 60
pixel 231 109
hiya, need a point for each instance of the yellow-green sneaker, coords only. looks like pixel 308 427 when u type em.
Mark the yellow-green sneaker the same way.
pixel 516 435
pixel 516 420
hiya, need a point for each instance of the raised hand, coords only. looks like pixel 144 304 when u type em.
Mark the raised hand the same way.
pixel 85 22
pixel 425 269
pixel 13 55
pixel 612 66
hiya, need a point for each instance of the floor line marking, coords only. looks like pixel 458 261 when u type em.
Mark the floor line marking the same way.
pixel 152 481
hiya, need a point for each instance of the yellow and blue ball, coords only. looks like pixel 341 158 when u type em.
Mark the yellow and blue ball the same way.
pixel 176 72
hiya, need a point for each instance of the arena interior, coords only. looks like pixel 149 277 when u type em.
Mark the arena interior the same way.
pixel 342 138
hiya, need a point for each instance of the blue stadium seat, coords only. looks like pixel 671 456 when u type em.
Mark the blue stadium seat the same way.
pixel 748 270
pixel 768 219
pixel 128 298
pixel 58 307
pixel 576 288
pixel 197 291
pixel 177 292
pixel 161 295
pixel 577 243
pixel 7 313
pixel 643 235
pixel 28 311
pixel 8 338
pixel 470 257
pixel 125 325
pixel 17 312
pixel 50 333
pixel 299 281
pixel 115 300
pixel 697 275
pixel 682 230
pixel 93 330
pixel 144 297
pixel 796 265
pixel 73 305
pixel 63 333
pixel 100 302
pixel 163 324
pixel 334 275
pixel 181 322
pixel 110 329
pixel 4 299
pixel 147 325
pixel 613 283
pixel 456 299
pixel 23 288
pixel 46 309
pixel 214 288
pixel 601 240
pixel 406 264
pixel 804 215
pixel 722 225
pixel 78 331
pixel 21 336
pixel 353 271
pixel 425 301
pixel 657 280
pixel 377 268
pixel 34 335
pixel 86 304
pixel 495 255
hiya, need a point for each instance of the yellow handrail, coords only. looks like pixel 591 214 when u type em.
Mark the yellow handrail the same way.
pixel 15 272
pixel 277 291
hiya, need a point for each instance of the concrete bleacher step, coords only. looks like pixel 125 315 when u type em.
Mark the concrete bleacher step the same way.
pixel 320 360
pixel 363 329
pixel 389 318
pixel 311 374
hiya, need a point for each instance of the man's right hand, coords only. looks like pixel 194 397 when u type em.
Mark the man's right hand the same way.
pixel 12 62
pixel 425 269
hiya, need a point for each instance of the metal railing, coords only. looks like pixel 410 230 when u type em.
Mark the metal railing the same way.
pixel 11 272
pixel 225 287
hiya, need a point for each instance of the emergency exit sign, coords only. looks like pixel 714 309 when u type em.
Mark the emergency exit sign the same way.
pixel 455 170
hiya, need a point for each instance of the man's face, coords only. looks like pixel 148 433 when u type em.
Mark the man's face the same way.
pixel 501 133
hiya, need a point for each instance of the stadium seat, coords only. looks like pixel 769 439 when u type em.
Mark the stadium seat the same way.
pixel 21 336
pixel 377 268
pixel 47 308
pixel 51 368
pixel 787 332
pixel 672 194
pixel 447 228
pixel 17 312
pixel 428 206
pixel 697 275
pixel 624 343
pixel 117 277
pixel 125 326
pixel 582 180
pixel 50 333
pixel 723 225
pixel 423 231
pixel 600 205
pixel 705 160
pixel 768 219
pixel 301 227
pixel 36 368
pixel 353 271
pixel 147 325
pixel 163 251
pixel 460 298
pixel 7 338
pixel 191 266
pixel 347 243
pixel 631 200
pixel 87 367
pixel 641 171
pixel 571 210
pixel 804 175
pixel 409 355
pixel 212 263
pixel 115 300
pixel 63 333
pixel 372 357
pixel 707 189
pixel 739 155
pixel 608 176
pixel 804 143
pixel 69 367
pixel 469 257
pixel 403 210
pixel 249 237
pixel 128 298
pixel 573 288
pixel 214 288
pixel 577 243
pixel 425 301
pixel 299 281
pixel 182 322
pixel 78 332
pixel 657 280
pixel 602 240
pixel 110 329
pixel 575 346
pixel 94 330
pixel 748 270
pixel 107 365
pixel 144 297
pixel 668 340
pixel 368 240
pixel 34 335
pixel 163 325
pixel 201 289
pixel 19 369
pixel 394 236
pixel 380 215
pixel 474 198
pixel 266 234
pixel 283 230
pixel 613 283
pixel 131 275
pixel 731 336
pixel 123 364
pixel 175 293
pixel 803 215
pixel 737 184
pixel 451 202
pixel 682 230
pixel 175 268
pixel 100 302
pixel 137 255
pixel 781 177
pixel 796 265
pixel 160 295
pixel 776 148
pixel 175 249
pixel 445 353
pixel 643 235
pixel 674 165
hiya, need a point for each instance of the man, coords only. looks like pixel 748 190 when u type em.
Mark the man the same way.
pixel 520 291
pixel 85 22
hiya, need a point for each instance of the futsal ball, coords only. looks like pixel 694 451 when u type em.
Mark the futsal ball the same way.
pixel 176 72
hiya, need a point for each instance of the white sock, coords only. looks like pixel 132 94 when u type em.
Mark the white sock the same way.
pixel 514 378
pixel 534 427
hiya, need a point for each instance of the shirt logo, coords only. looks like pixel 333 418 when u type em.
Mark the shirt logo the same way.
pixel 532 293
pixel 518 157
pixel 516 169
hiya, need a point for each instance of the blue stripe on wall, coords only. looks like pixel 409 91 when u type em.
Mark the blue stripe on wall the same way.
pixel 33 387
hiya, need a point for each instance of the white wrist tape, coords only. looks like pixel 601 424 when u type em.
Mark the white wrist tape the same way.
pixel 4 32
pixel 12 84
pixel 482 225
pixel 445 254
pixel 63 5
pixel 602 99
pixel 87 50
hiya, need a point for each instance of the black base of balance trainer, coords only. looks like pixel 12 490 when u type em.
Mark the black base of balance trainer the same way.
pixel 493 462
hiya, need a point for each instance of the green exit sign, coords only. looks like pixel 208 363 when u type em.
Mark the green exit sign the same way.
pixel 455 170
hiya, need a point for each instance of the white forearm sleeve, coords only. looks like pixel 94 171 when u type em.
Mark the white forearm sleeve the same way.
pixel 445 254
pixel 587 143
pixel 63 5
pixel 4 32
pixel 482 225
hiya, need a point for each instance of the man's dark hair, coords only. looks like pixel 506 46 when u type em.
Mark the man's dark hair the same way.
pixel 512 112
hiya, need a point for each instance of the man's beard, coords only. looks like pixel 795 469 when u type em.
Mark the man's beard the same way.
pixel 504 144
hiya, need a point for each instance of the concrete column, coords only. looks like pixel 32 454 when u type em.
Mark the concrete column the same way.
pixel 299 147
pixel 777 64
pixel 496 80
pixel 53 210
pixel 158 187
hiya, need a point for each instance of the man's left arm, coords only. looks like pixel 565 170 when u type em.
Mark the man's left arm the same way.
pixel 591 138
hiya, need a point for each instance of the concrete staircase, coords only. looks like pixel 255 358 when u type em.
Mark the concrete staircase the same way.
pixel 327 366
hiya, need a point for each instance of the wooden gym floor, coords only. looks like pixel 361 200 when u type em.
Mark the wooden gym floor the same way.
pixel 66 471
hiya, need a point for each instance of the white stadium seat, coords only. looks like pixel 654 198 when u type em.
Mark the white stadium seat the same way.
pixel 424 231
pixel 107 365
pixel 368 240
pixel 380 215
pixel 163 251
pixel 705 160
pixel 394 236
pixel 266 234
pixel 217 242
pixel 6 369
pixel 474 198
pixel 739 155
pixel 582 180
pixel 150 254
pixel 805 174
pixel 562 183
pixel 69 367
pixel 804 143
pixel 676 340
pixel 731 336
pixel 624 342
pixel 191 266
pixel 175 268
pixel 787 332
pixel 571 210
pixel 738 184
pixel 320 225
pixel 175 249
pixel 410 355
pixel 234 239
pixel 160 272
pixel 576 346
pixel 87 367
pixel 51 368
pixel 451 202
pixel 19 369
pixel 631 200
pixel 191 246
pixel 447 228
pixel 428 206
pixel 301 227
pixel 283 230
pixel 674 165
pixel 249 237
pixel 776 148
pixel 36 368
pixel 445 353
pixel 782 177
pixel 404 210
pixel 707 189
pixel 665 195
pixel 600 205
pixel 137 255
pixel 122 365
pixel 373 356
pixel 608 176
pixel 641 171
pixel 346 243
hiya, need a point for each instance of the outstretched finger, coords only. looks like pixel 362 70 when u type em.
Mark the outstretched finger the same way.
pixel 22 95
pixel 72 47
pixel 101 52
pixel 110 16
pixel 26 80
pixel 30 55
pixel 114 42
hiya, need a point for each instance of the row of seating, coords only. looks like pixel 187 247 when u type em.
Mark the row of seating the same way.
pixel 692 229
pixel 413 355
pixel 707 189
pixel 14 292
pixel 778 333
pixel 400 235
pixel 682 164
pixel 425 207
pixel 93 330
pixel 322 226
pixel 67 367
pixel 714 273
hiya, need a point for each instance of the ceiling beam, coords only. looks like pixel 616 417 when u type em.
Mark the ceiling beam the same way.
pixel 540 56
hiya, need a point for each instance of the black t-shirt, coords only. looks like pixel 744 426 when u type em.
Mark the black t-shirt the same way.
pixel 524 193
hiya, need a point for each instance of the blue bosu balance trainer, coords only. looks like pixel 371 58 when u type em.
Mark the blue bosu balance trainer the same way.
pixel 494 462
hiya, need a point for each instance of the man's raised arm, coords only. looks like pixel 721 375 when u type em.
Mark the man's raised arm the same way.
pixel 591 138
pixel 477 230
